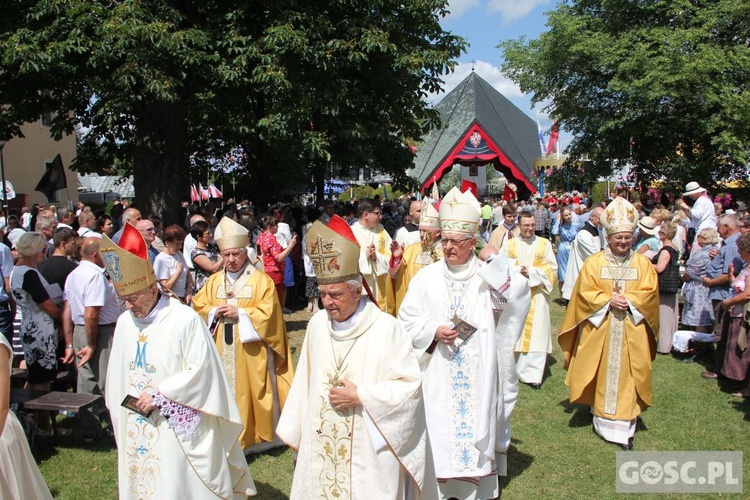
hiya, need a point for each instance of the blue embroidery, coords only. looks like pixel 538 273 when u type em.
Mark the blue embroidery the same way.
pixel 140 359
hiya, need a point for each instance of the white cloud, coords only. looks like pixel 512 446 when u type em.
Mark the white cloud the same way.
pixel 512 10
pixel 487 71
pixel 457 8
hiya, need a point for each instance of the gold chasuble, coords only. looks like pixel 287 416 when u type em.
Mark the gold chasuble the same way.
pixel 416 256
pixel 258 369
pixel 609 365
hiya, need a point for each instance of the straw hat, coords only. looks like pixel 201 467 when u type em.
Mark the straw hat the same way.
pixel 693 188
pixel 648 225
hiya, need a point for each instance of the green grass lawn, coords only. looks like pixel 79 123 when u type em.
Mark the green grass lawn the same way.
pixel 554 451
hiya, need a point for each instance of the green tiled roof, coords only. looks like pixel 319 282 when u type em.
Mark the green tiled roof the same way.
pixel 475 100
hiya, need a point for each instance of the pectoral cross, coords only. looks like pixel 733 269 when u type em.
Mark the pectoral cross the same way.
pixel 616 288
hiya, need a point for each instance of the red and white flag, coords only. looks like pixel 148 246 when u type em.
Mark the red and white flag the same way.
pixel 214 192
pixel 203 192
pixel 194 196
pixel 554 136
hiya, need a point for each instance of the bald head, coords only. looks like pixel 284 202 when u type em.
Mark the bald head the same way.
pixel 90 251
pixel 196 218
pixel 131 215
pixel 147 230
pixel 415 210
pixel 596 217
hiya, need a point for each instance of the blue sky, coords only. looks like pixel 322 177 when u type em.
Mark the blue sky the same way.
pixel 485 23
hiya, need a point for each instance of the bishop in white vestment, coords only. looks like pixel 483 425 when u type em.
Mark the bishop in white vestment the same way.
pixel 469 382
pixel 354 413
pixel 178 436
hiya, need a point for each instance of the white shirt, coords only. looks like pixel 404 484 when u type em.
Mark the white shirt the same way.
pixel 187 250
pixel 165 266
pixel 702 214
pixel 87 286
pixel 284 234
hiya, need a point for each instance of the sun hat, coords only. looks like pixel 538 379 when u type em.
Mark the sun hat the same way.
pixel 693 188
pixel 648 225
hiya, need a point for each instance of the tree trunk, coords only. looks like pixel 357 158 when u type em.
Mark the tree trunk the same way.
pixel 160 160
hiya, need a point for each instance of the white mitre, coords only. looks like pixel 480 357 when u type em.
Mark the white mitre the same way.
pixel 459 212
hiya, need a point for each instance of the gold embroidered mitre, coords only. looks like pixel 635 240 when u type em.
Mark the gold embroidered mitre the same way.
pixel 333 250
pixel 620 216
pixel 430 217
pixel 459 212
pixel 127 263
pixel 230 234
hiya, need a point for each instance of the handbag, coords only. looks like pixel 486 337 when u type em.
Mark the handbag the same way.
pixel 669 280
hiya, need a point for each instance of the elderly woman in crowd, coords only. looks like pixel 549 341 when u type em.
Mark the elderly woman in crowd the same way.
pixel 667 265
pixel 697 312
pixel 735 326
pixel 40 316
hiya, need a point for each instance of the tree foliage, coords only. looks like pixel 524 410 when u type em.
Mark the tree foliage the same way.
pixel 660 85
pixel 304 88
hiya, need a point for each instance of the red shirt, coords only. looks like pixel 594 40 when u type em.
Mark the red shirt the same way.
pixel 269 249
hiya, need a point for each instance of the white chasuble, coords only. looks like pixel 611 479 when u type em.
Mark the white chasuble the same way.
pixel 378 450
pixel 470 387
pixel 170 351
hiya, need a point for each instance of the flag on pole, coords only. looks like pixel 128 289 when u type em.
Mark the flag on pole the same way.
pixel 203 192
pixel 214 192
pixel 194 196
pixel 509 194
pixel 470 186
pixel 53 178
pixel 541 138
pixel 554 136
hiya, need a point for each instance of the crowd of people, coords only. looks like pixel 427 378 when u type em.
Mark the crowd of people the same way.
pixel 426 315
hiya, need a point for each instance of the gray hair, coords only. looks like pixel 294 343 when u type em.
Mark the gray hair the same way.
pixel 354 283
pixel 30 243
pixel 45 222
pixel 730 220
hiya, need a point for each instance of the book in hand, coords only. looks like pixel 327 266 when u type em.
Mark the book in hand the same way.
pixel 465 330
pixel 129 403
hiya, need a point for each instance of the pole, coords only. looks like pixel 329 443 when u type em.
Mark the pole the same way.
pixel 5 191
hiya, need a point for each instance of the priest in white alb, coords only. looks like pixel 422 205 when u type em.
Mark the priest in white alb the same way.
pixel 375 249
pixel 463 318
pixel 177 432
pixel 587 242
pixel 354 413
pixel 535 260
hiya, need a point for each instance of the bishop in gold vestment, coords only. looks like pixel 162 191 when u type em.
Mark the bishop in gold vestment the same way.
pixel 241 304
pixel 609 351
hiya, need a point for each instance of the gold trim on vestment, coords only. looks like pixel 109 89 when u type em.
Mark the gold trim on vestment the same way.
pixel 232 296
pixel 620 274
